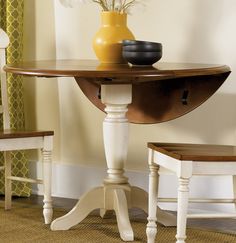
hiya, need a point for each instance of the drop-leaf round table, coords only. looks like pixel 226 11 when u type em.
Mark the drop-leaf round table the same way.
pixel 137 94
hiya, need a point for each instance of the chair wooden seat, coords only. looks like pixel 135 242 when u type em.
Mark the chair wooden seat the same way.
pixel 8 133
pixel 186 160
pixel 196 152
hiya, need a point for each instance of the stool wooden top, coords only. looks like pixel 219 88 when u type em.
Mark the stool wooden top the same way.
pixel 160 93
pixel 196 152
pixel 5 134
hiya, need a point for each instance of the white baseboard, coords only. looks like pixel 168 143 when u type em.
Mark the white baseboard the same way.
pixel 72 181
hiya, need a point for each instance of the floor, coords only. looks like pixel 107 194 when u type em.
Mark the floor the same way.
pixel 221 225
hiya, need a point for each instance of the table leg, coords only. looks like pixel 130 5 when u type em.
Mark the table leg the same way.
pixel 115 128
pixel 116 193
pixel 115 133
pixel 122 216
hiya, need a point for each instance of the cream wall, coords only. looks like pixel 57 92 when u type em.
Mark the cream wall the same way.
pixel 191 31
pixel 41 95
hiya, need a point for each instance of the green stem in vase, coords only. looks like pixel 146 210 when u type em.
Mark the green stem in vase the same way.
pixel 102 4
pixel 127 5
pixel 113 5
pixel 119 6
pixel 106 4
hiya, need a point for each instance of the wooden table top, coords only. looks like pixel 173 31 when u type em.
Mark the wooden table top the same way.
pixel 160 92
pixel 107 73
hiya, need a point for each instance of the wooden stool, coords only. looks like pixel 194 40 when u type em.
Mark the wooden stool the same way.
pixel 12 140
pixel 186 160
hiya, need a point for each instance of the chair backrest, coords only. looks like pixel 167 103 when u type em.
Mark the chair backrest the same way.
pixel 4 108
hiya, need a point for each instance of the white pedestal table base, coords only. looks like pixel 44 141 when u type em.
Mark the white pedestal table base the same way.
pixel 116 193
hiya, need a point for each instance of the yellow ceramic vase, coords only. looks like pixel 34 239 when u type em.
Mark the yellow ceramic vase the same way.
pixel 107 42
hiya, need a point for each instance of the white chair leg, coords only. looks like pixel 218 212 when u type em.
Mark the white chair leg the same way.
pixel 47 172
pixel 183 196
pixel 152 203
pixel 8 183
pixel 234 190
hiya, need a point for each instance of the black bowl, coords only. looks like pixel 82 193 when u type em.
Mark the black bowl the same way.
pixel 139 42
pixel 142 58
pixel 143 47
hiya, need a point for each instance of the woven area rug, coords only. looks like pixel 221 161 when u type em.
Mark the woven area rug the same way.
pixel 24 223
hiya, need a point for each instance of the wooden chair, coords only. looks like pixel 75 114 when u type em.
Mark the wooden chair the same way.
pixel 186 160
pixel 12 140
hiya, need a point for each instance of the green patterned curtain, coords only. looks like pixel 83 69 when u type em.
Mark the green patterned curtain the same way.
pixel 11 20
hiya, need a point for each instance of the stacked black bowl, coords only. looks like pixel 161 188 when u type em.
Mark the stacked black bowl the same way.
pixel 139 52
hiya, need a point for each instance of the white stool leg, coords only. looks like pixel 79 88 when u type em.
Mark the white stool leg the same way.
pixel 183 196
pixel 234 190
pixel 8 183
pixel 47 177
pixel 152 203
